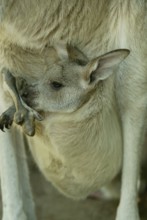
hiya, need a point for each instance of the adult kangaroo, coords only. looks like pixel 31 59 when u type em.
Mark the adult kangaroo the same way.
pixel 96 27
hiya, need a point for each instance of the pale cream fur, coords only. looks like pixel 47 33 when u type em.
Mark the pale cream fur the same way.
pixel 96 27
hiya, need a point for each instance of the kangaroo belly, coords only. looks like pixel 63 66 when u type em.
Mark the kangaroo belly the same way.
pixel 79 158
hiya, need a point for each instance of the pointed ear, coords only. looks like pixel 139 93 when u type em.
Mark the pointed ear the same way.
pixel 61 49
pixel 71 53
pixel 76 55
pixel 102 67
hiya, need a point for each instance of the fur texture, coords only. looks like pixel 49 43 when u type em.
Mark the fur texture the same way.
pixel 95 27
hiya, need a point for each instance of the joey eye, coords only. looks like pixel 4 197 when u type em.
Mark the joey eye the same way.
pixel 56 85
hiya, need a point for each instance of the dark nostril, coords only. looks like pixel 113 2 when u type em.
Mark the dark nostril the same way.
pixel 26 93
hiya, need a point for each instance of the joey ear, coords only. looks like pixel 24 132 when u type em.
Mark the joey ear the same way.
pixel 77 55
pixel 102 67
pixel 71 53
pixel 61 49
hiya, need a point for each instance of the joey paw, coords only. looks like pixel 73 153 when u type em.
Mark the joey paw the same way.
pixel 26 118
pixel 6 118
pixel 23 117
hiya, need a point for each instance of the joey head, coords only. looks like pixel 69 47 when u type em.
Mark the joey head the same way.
pixel 71 81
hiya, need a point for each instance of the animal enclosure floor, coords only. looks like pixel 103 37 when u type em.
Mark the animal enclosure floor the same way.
pixel 51 205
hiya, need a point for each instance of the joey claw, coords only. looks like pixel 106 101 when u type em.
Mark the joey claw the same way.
pixel 2 128
pixel 6 119
pixel 1 125
pixel 8 126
